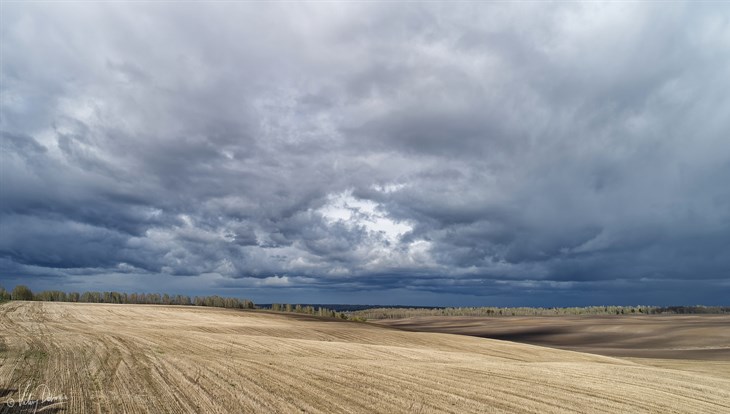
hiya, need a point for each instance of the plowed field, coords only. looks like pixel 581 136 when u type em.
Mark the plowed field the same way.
pixel 90 358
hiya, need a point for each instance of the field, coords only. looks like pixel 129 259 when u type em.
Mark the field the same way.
pixel 146 358
pixel 698 343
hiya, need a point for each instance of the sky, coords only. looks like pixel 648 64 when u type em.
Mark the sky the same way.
pixel 450 154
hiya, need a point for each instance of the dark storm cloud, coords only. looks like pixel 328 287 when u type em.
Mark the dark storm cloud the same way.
pixel 512 152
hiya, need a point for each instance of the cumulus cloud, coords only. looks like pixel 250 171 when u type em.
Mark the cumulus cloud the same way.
pixel 414 153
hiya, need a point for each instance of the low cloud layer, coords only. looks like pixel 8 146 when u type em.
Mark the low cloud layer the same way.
pixel 480 154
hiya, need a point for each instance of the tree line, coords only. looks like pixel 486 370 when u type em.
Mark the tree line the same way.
pixel 316 311
pixel 21 292
pixel 399 313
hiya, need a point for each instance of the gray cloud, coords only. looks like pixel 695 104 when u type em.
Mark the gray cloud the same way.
pixel 486 153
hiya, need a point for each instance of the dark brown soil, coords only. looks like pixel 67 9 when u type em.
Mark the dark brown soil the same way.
pixel 702 337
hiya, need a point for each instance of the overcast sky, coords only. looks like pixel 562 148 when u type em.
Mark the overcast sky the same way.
pixel 442 154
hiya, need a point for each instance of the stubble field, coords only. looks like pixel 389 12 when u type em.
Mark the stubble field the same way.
pixel 135 358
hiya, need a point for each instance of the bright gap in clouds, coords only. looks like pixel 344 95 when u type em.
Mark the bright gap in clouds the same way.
pixel 356 212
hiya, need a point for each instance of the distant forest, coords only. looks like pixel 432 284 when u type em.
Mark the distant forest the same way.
pixel 22 292
pixel 348 312
pixel 343 307
pixel 398 313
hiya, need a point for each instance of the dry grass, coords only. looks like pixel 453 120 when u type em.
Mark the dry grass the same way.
pixel 136 358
